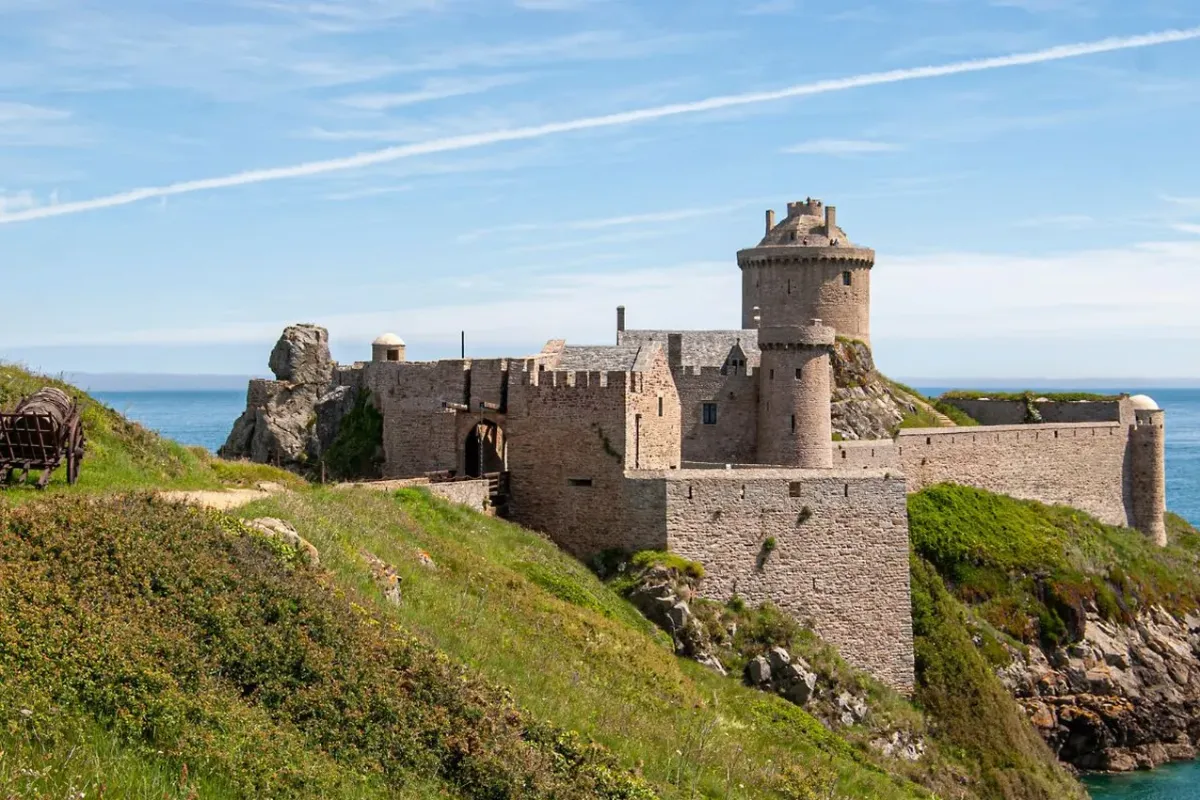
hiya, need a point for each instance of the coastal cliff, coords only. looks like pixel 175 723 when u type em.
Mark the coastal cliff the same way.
pixel 1092 629
pixel 1124 697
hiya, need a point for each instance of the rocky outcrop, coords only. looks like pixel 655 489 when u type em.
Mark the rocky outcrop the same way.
pixel 662 597
pixel 1124 697
pixel 779 672
pixel 284 532
pixel 292 420
pixel 302 356
pixel 865 406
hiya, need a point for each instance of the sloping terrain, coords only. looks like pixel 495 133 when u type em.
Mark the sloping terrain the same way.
pixel 151 650
pixel 1091 626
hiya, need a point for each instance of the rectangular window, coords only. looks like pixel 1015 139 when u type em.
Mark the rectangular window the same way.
pixel 795 489
pixel 846 278
pixel 579 481
pixel 772 374
pixel 710 413
pixel 660 406
pixel 793 423
pixel 797 373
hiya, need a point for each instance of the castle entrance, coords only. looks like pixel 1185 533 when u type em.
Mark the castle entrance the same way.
pixel 484 451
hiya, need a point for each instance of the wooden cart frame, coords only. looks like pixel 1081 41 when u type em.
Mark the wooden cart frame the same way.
pixel 36 441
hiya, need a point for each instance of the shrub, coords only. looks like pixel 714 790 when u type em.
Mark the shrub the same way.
pixel 356 451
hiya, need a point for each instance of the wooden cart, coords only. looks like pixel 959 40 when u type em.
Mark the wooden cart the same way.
pixel 45 431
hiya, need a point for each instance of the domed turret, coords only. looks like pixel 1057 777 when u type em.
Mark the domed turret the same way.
pixel 806 267
pixel 388 347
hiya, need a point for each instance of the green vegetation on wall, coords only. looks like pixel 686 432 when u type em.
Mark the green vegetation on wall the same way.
pixel 1028 394
pixel 357 450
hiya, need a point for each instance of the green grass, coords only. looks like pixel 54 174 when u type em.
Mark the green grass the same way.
pixel 517 610
pixel 1062 397
pixel 956 414
pixel 956 686
pixel 122 455
pixel 921 418
pixel 190 640
pixel 1028 569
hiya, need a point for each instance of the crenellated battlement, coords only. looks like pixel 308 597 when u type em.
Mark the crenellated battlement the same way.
pixel 615 380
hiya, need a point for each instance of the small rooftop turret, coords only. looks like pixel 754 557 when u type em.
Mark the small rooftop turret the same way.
pixel 388 347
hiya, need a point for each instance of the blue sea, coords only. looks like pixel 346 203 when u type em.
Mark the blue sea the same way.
pixel 205 417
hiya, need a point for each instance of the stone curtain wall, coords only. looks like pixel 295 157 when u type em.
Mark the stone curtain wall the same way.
pixel 419 435
pixel 732 438
pixel 1012 412
pixel 842 563
pixel 565 428
pixel 866 454
pixel 1082 465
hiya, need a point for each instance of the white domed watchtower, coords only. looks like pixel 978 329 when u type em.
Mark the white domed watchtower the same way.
pixel 807 268
pixel 1148 473
pixel 388 347
pixel 794 426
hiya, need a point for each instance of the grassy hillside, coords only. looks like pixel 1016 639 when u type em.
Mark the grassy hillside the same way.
pixel 149 650
pixel 124 455
pixel 1028 569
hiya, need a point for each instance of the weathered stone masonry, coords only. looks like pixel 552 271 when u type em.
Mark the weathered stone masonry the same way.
pixel 711 443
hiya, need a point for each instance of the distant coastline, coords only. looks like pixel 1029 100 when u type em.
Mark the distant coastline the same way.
pixel 155 382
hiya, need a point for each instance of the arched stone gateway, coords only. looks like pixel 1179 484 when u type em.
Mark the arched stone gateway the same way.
pixel 484 450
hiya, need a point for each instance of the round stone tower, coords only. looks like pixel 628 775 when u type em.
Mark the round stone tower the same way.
pixel 794 426
pixel 1148 478
pixel 807 268
pixel 388 347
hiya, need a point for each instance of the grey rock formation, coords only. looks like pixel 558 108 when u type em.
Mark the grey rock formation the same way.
pixel 664 603
pixel 864 405
pixel 302 356
pixel 1122 698
pixel 758 671
pixel 284 532
pixel 293 420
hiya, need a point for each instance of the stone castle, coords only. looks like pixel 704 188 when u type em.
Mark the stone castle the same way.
pixel 717 445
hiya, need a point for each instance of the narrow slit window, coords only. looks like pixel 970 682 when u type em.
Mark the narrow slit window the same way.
pixel 798 373
pixel 743 491
pixel 846 490
pixel 772 374
pixel 793 423
pixel 689 492
pixel 846 278
pixel 579 481
pixel 660 406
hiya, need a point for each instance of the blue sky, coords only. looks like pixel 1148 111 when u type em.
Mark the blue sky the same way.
pixel 429 166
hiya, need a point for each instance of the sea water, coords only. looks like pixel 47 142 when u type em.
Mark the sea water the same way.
pixel 201 418
pixel 205 418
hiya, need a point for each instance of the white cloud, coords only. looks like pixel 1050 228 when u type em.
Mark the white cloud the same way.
pixel 648 218
pixel 431 90
pixel 373 191
pixel 17 201
pixel 841 147
pixel 470 141
pixel 1143 289
pixel 1187 227
pixel 1068 221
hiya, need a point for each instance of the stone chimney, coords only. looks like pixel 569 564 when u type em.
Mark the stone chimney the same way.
pixel 620 322
pixel 770 219
pixel 830 220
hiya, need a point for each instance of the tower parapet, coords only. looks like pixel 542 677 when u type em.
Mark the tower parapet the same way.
pixel 806 267
pixel 794 424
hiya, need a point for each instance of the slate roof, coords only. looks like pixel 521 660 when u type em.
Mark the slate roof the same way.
pixel 599 358
pixel 700 348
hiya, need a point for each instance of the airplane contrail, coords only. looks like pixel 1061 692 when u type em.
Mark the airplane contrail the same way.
pixel 469 141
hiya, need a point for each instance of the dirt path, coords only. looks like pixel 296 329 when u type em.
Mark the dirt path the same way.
pixel 225 499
